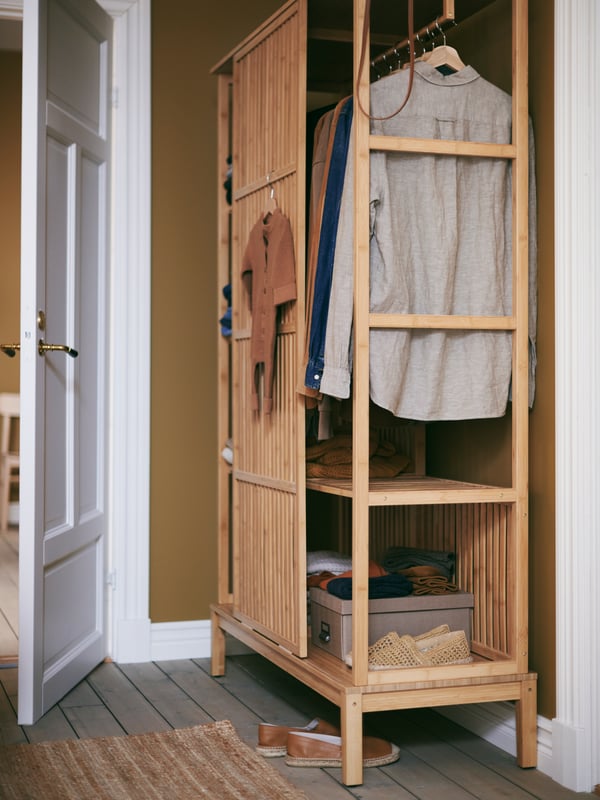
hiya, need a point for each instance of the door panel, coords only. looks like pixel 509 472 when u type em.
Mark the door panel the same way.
pixel 269 532
pixel 65 233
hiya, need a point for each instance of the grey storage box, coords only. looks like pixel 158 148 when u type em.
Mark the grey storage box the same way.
pixel 331 617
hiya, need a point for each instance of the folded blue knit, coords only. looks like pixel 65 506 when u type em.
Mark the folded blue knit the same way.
pixel 382 586
pixel 398 558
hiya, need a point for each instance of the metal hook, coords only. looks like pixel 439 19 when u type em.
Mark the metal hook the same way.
pixel 418 38
pixel 441 30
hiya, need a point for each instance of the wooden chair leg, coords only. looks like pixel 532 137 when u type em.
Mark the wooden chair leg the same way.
pixel 352 746
pixel 217 651
pixel 526 722
pixel 4 493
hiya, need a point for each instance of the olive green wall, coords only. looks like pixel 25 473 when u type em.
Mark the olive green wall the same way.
pixel 187 40
pixel 10 212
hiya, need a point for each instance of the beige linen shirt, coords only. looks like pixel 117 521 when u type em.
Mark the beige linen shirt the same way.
pixel 441 243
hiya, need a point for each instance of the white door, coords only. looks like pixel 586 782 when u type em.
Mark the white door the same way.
pixel 64 266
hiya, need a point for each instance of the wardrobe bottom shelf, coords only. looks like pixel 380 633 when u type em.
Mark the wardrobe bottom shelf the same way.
pixel 331 678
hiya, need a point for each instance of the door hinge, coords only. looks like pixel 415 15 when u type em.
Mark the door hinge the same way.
pixel 111 578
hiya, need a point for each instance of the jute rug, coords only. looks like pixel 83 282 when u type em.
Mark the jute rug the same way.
pixel 208 761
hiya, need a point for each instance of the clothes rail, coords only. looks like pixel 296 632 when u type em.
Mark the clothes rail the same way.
pixel 391 57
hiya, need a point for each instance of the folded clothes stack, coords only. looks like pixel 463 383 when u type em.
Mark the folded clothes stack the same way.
pixel 397 559
pixel 405 571
pixel 381 586
pixel 330 561
pixel 332 458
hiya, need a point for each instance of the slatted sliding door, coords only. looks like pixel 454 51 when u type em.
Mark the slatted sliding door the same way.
pixel 269 90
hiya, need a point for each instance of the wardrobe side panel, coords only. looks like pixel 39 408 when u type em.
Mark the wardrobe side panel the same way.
pixel 266 131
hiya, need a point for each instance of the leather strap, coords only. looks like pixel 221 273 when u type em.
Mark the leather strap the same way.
pixel 363 53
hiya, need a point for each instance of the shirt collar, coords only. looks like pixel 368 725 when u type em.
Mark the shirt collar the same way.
pixel 433 75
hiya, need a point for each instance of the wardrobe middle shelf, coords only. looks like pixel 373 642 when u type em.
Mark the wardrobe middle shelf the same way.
pixel 416 490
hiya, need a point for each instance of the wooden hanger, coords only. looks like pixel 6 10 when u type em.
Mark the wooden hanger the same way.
pixel 444 56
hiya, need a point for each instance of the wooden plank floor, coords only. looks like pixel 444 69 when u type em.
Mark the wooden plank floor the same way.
pixel 9 594
pixel 438 758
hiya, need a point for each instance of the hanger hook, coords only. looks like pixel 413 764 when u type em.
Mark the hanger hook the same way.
pixel 441 30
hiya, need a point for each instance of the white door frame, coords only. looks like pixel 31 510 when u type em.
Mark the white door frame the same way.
pixel 576 727
pixel 128 634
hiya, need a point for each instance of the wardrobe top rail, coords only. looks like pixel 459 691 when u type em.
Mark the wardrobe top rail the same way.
pixel 332 21
pixel 388 17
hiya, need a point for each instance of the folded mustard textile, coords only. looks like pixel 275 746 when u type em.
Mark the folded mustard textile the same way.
pixel 379 467
pixel 436 584
pixel 332 458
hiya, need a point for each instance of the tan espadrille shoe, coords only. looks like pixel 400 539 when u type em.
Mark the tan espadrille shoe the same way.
pixel 406 651
pixel 434 632
pixel 272 739
pixel 319 750
pixel 434 648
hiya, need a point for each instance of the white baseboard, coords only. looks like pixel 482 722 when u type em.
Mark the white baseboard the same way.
pixel 132 641
pixel 173 640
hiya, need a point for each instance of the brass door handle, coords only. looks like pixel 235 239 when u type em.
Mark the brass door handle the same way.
pixel 64 348
pixel 10 349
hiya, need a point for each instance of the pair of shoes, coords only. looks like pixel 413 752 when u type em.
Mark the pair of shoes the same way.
pixel 385 641
pixel 321 750
pixel 272 739
pixel 436 647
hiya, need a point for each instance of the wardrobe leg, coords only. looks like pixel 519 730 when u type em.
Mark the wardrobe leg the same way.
pixel 217 650
pixel 526 722
pixel 352 745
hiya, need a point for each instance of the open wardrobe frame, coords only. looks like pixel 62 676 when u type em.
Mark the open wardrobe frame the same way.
pixel 265 498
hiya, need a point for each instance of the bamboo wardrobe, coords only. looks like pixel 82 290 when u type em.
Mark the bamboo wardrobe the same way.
pixel 268 509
